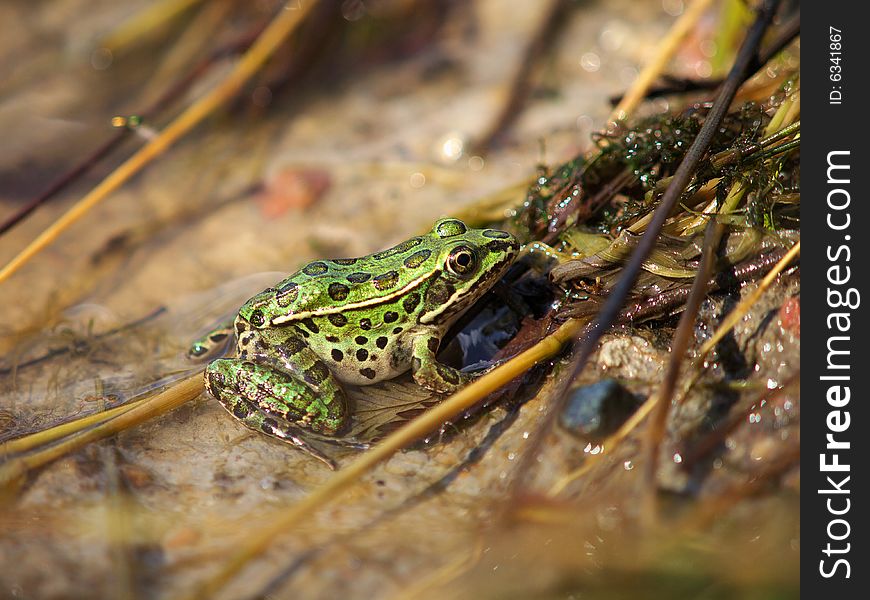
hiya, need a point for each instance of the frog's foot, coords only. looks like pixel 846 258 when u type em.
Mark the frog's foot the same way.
pixel 260 421
pixel 430 373
pixel 213 344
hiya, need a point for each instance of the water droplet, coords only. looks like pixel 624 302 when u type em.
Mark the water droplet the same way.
pixel 452 147
pixel 261 96
pixel 101 59
pixel 417 180
pixel 673 7
pixel 590 62
pixel 353 10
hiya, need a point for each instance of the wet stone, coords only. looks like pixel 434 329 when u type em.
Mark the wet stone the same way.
pixel 597 410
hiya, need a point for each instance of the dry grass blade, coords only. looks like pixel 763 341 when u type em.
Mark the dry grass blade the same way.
pixel 153 17
pixel 272 37
pixel 169 399
pixel 414 430
pixel 665 51
pixel 46 436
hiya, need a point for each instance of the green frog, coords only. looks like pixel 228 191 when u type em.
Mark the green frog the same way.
pixel 356 321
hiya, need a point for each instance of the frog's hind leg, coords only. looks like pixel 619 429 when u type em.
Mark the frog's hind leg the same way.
pixel 276 403
pixel 254 418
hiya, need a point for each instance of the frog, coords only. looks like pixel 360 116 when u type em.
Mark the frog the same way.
pixel 352 321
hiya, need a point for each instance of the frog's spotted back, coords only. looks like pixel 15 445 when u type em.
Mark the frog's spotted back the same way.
pixel 325 287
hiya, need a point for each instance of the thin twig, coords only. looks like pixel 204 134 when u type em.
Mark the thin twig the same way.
pixel 32 441
pixel 546 35
pixel 681 28
pixel 680 344
pixel 784 36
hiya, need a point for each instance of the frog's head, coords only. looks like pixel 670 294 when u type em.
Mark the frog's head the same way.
pixel 471 261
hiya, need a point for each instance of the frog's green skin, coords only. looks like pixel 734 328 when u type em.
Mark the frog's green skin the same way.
pixel 357 321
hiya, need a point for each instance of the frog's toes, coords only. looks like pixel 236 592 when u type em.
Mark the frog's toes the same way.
pixel 440 378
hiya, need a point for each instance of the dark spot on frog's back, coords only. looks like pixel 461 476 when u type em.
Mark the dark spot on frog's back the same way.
pixel 311 325
pixel 337 355
pixel 450 228
pixel 287 293
pixel 337 320
pixel 496 234
pixel 417 259
pixel 338 291
pixel 345 262
pixel 398 248
pixel 381 342
pixel 391 317
pixel 240 411
pixel 362 354
pixel 359 277
pixel 316 268
pixel 386 281
pixel 368 373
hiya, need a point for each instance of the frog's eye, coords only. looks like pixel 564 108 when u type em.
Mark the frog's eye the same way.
pixel 462 261
pixel 257 319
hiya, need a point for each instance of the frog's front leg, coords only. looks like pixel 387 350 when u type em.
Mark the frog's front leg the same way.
pixel 430 373
pixel 269 399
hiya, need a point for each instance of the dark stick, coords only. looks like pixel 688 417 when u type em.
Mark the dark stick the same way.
pixel 62 182
pixel 586 343
pixel 679 345
pixel 521 86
